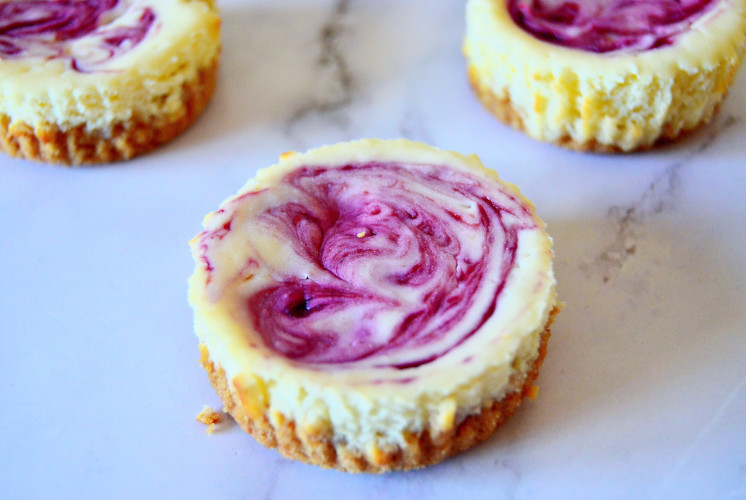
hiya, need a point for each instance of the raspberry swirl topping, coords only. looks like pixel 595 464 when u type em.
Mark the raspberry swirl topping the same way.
pixel 87 33
pixel 374 264
pixel 608 25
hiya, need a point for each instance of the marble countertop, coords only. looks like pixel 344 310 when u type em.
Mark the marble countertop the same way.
pixel 643 392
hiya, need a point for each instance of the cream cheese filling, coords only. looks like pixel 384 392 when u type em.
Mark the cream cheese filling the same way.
pixel 381 388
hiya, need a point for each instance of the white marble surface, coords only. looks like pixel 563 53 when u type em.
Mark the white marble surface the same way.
pixel 643 393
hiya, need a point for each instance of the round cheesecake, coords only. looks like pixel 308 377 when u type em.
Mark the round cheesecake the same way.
pixel 373 305
pixel 103 80
pixel 611 75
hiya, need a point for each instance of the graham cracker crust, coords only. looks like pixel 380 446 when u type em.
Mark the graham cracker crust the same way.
pixel 320 447
pixel 503 110
pixel 126 139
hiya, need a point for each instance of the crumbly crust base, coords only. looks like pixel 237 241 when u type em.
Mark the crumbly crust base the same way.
pixel 320 448
pixel 503 110
pixel 124 140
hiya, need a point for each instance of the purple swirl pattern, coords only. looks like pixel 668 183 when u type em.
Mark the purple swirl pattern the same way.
pixel 377 235
pixel 48 29
pixel 610 25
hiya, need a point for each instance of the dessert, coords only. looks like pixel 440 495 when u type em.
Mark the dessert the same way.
pixel 103 80
pixel 615 75
pixel 373 305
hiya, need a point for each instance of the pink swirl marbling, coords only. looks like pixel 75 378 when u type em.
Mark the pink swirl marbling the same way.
pixel 376 233
pixel 48 29
pixel 606 26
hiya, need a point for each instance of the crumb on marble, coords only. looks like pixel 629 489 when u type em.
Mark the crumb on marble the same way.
pixel 209 417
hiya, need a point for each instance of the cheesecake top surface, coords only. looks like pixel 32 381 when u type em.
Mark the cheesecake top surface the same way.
pixel 605 39
pixel 85 34
pixel 608 25
pixel 99 37
pixel 388 261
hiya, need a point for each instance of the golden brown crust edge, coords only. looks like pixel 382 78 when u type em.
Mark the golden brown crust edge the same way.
pixel 503 110
pixel 139 135
pixel 422 449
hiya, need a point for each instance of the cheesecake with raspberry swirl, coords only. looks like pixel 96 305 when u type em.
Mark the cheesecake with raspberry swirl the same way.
pixel 93 81
pixel 373 305
pixel 614 75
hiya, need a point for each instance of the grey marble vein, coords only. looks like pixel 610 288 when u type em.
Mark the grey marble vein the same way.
pixel 412 126
pixel 276 470
pixel 659 196
pixel 334 82
pixel 696 442
pixel 510 474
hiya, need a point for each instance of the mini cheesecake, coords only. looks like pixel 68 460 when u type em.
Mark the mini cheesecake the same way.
pixel 373 305
pixel 612 75
pixel 103 80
